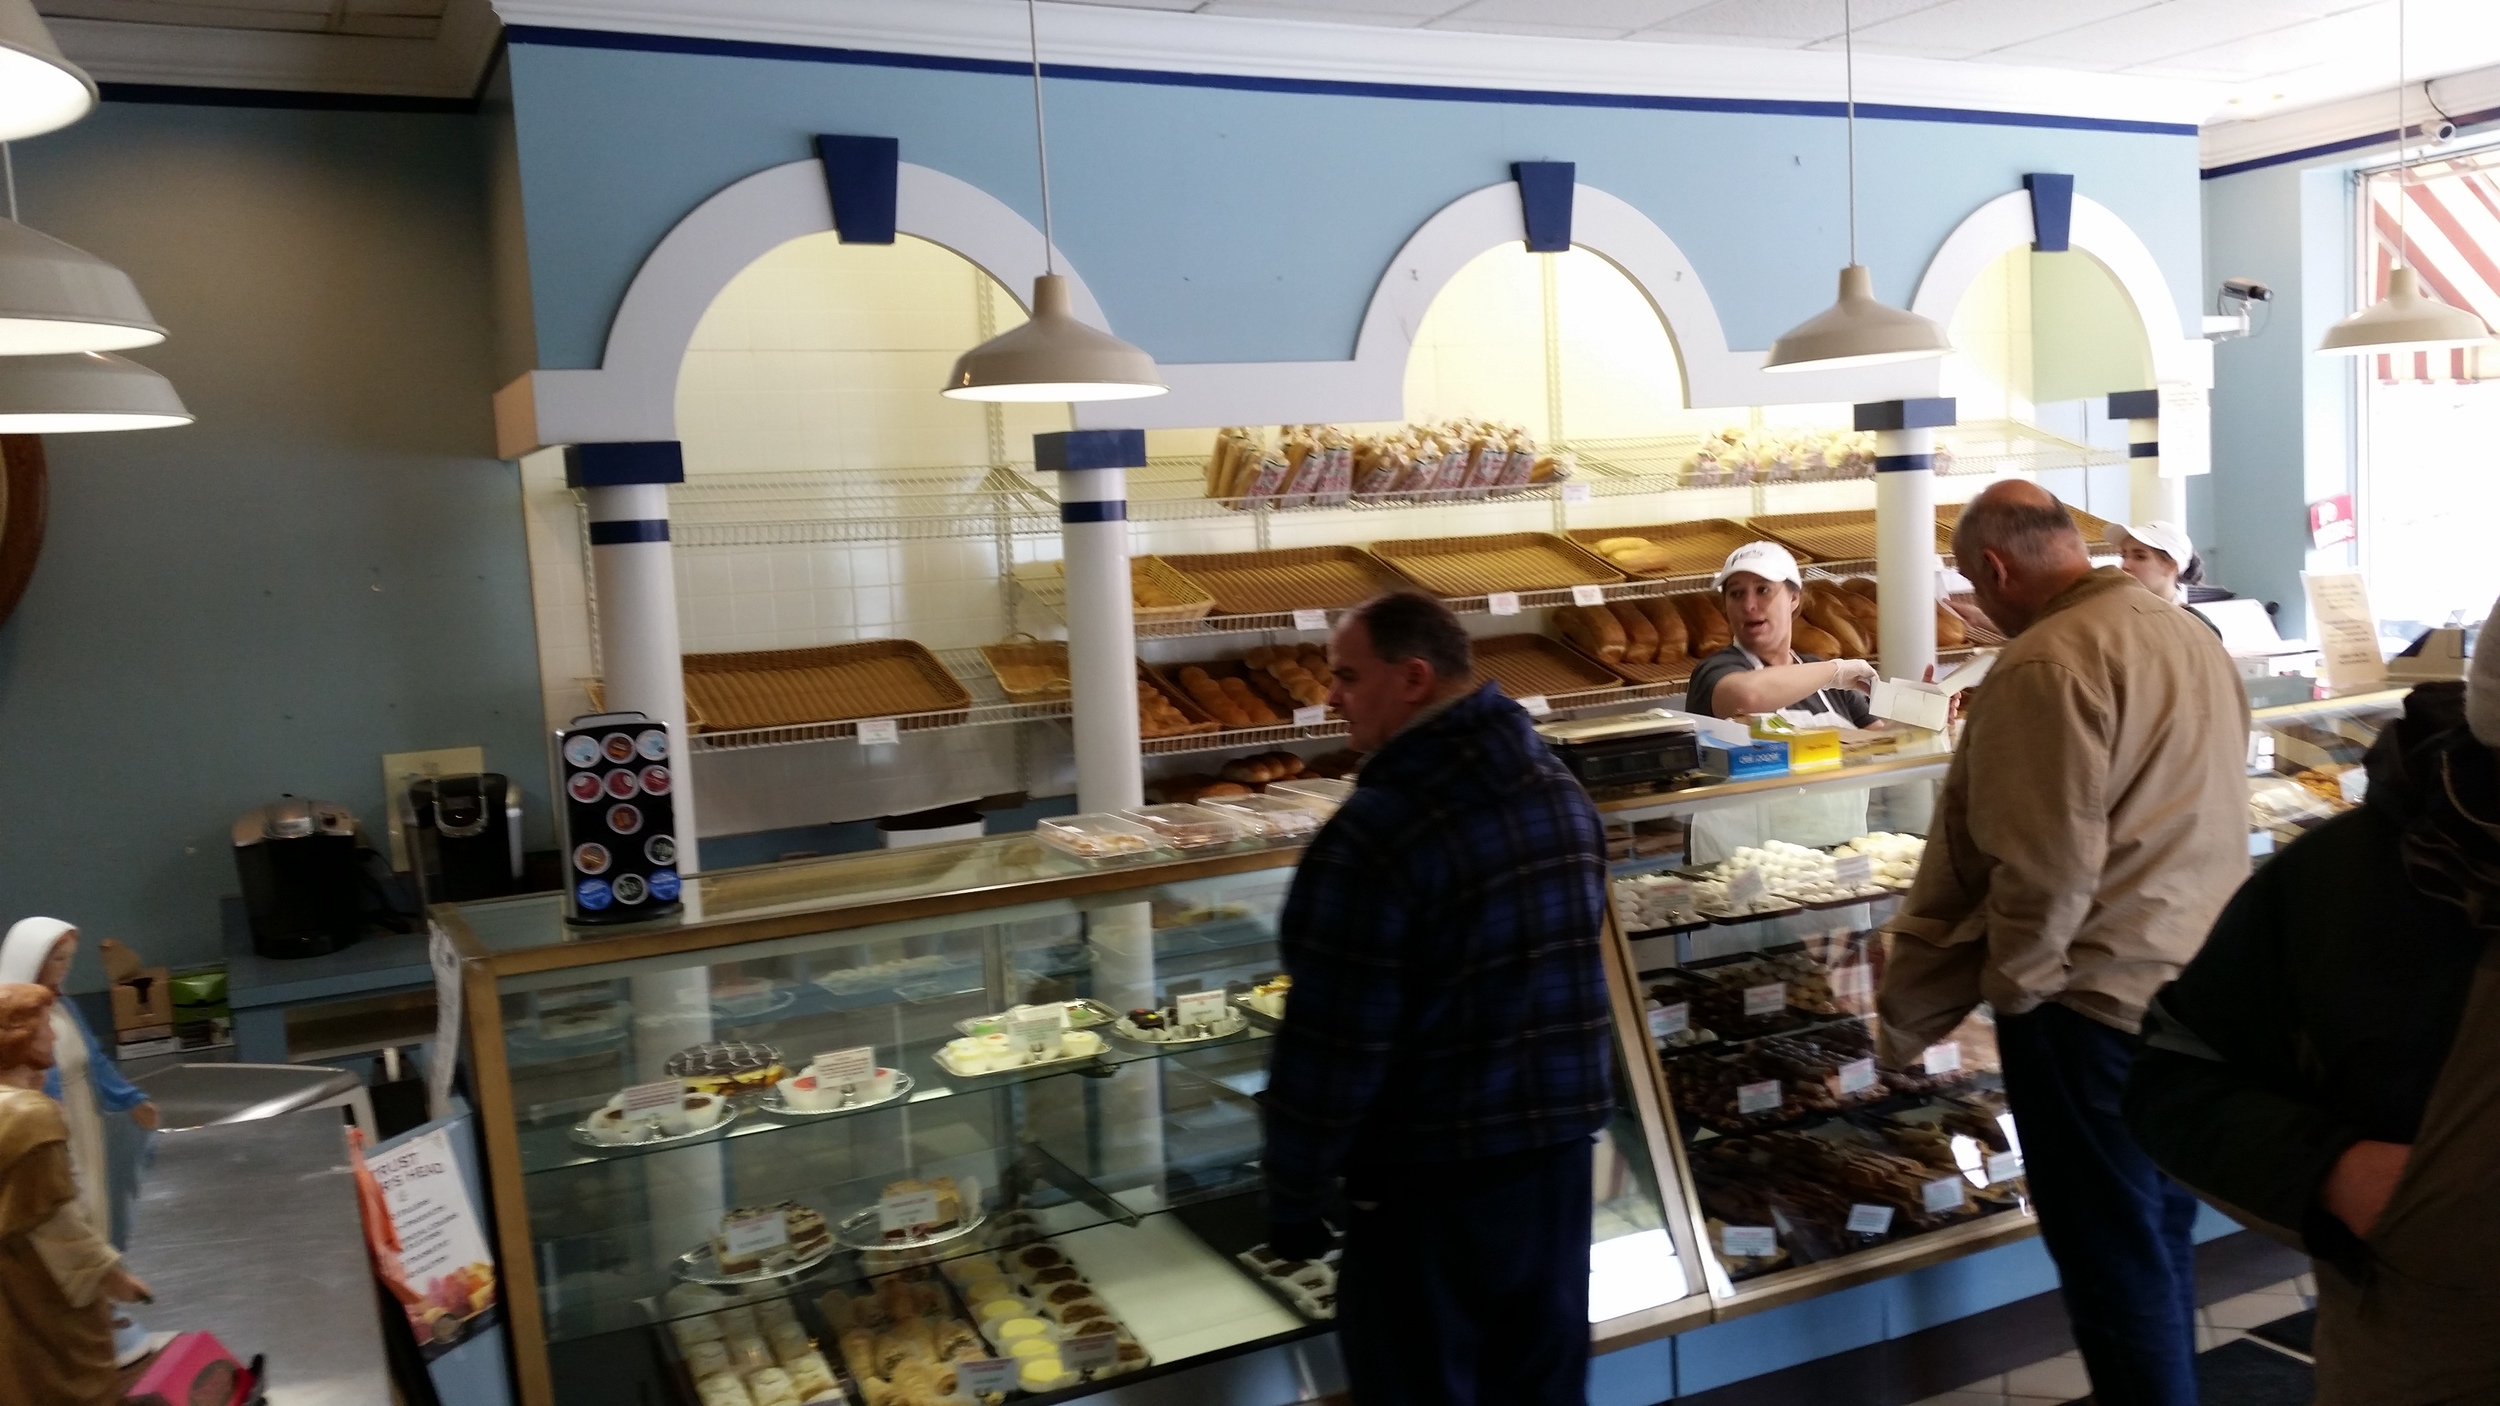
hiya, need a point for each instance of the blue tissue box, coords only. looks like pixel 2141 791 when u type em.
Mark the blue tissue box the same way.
pixel 1743 761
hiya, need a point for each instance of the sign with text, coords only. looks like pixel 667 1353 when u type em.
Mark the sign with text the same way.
pixel 1668 1021
pixel 1748 1241
pixel 428 1243
pixel 905 1212
pixel 845 1069
pixel 1856 1077
pixel 1944 1057
pixel 1588 595
pixel 1941 1195
pixel 1310 621
pixel 1199 1007
pixel 983 1376
pixel 1536 705
pixel 1869 1220
pixel 2346 631
pixel 1091 1351
pixel 1853 871
pixel 1316 715
pixel 1766 1000
pixel 1763 1097
pixel 1502 603
pixel 753 1235
pixel 879 732
pixel 652 1100
pixel 1744 887
pixel 2331 522
pixel 2004 1167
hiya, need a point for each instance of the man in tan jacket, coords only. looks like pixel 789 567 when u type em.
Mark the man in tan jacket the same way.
pixel 2092 826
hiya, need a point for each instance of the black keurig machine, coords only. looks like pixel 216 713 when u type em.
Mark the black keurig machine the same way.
pixel 464 836
pixel 302 866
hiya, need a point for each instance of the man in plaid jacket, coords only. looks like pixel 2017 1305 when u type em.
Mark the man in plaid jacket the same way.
pixel 1445 1050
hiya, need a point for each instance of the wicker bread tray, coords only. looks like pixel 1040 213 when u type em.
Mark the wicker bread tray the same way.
pixel 1700 546
pixel 1532 664
pixel 1298 578
pixel 1675 670
pixel 1260 683
pixel 1199 720
pixel 1029 671
pixel 2095 530
pixel 1845 536
pixel 787 687
pixel 1506 561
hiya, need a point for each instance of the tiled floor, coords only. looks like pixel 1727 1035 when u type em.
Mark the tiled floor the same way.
pixel 2061 1379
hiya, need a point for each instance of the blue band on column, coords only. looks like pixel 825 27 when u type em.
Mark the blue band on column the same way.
pixel 1097 510
pixel 2149 449
pixel 1063 450
pixel 613 465
pixel 1928 413
pixel 1903 463
pixel 2135 405
pixel 629 530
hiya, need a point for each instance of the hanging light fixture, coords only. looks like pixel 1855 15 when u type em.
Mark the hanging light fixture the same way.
pixel 56 298
pixel 1856 330
pixel 82 392
pixel 2404 320
pixel 1052 357
pixel 40 91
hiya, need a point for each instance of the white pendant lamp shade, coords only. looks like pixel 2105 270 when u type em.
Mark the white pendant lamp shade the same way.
pixel 1857 331
pixel 39 90
pixel 84 392
pixel 56 298
pixel 2404 321
pixel 1054 357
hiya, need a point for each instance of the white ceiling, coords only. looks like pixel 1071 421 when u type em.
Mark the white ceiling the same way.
pixel 2267 55
pixel 385 19
pixel 398 48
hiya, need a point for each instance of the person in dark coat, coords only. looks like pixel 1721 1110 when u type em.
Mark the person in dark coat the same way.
pixel 1445 1057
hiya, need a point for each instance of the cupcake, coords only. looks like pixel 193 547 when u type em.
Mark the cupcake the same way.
pixel 1033 1347
pixel 1037 1374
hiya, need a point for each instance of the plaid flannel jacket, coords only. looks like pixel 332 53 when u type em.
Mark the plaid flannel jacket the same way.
pixel 1449 997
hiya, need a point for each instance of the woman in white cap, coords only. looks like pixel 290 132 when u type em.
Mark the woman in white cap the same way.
pixel 83 1079
pixel 1762 671
pixel 2158 554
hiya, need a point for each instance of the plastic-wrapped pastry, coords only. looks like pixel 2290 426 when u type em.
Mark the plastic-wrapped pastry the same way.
pixel 811 1376
pixel 772 1312
pixel 787 1340
pixel 977 1292
pixel 1040 1373
pixel 702 1328
pixel 747 1353
pixel 957 1342
pixel 722 1389
pixel 739 1322
pixel 706 1359
pixel 771 1387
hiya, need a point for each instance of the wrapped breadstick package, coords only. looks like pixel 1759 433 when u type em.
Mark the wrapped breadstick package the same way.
pixel 1304 463
pixel 1336 483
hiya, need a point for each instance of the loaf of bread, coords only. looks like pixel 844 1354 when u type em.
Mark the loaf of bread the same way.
pixel 1263 768
pixel 1669 623
pixel 1593 630
pixel 1643 559
pixel 1640 636
pixel 1950 632
pixel 1820 611
pixel 1608 546
pixel 1810 640
pixel 1705 624
pixel 1862 585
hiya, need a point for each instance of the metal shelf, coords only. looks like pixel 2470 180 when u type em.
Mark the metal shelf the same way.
pixel 798 508
pixel 990 707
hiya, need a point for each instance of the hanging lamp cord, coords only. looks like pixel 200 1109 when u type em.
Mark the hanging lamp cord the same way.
pixel 1849 66
pixel 1041 139
pixel 8 160
pixel 2404 173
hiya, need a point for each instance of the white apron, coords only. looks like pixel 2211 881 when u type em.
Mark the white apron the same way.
pixel 1818 818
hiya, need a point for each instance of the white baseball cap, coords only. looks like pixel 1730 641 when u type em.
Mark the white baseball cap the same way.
pixel 1768 560
pixel 2169 539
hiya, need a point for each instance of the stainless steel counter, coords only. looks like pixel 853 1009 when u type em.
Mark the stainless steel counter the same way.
pixel 249 1231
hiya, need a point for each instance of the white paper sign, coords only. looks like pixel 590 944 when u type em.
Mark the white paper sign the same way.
pixel 1746 886
pixel 2004 1166
pixel 905 1211
pixel 1853 871
pixel 1028 1031
pixel 1941 1195
pixel 1857 1076
pixel 1748 1241
pixel 1536 705
pixel 1084 1354
pixel 1766 1000
pixel 1314 716
pixel 1667 1021
pixel 445 960
pixel 843 1069
pixel 652 1100
pixel 1199 1007
pixel 2346 631
pixel 1869 1220
pixel 1310 620
pixel 753 1235
pixel 1575 492
pixel 1855 981
pixel 1942 1058
pixel 2186 431
pixel 1502 603
pixel 879 732
pixel 984 1375
pixel 430 1207
pixel 1588 595
pixel 1758 1098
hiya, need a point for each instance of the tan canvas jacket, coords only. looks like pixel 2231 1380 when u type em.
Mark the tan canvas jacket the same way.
pixel 2092 825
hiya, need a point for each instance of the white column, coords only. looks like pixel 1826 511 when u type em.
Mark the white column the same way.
pixel 1905 551
pixel 1102 637
pixel 638 644
pixel 2149 495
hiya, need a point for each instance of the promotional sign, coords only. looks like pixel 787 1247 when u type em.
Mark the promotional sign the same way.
pixel 428 1242
pixel 2331 523
pixel 2346 631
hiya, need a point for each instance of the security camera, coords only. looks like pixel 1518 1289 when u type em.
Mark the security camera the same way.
pixel 2247 290
pixel 2443 131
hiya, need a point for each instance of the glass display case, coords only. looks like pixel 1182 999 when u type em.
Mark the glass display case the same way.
pixel 2304 759
pixel 904 1126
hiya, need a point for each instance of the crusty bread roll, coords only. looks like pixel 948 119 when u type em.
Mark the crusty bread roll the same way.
pixel 1608 546
pixel 1950 633
pixel 1860 585
pixel 1593 631
pixel 1669 623
pixel 1640 636
pixel 1810 640
pixel 1642 559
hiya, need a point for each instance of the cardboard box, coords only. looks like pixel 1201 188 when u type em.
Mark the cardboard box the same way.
pixel 1809 748
pixel 143 996
pixel 1743 760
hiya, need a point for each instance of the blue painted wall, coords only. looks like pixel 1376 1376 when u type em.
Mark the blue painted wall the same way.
pixel 1223 224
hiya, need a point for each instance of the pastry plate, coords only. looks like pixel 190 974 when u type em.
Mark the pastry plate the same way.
pixel 697 1266
pixel 1257 1017
pixel 580 1133
pixel 1128 1032
pixel 860 1231
pixel 780 1000
pixel 1064 1061
pixel 1084 1013
pixel 771 1101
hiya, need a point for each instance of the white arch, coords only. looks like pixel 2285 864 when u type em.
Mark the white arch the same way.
pixel 2005 223
pixel 633 394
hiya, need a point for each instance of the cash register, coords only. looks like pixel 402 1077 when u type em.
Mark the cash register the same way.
pixel 1627 749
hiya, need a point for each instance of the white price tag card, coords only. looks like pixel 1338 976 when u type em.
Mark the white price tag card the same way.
pixel 879 732
pixel 1941 1195
pixel 1093 1350
pixel 1588 595
pixel 1856 980
pixel 1536 705
pixel 1748 1241
pixel 1857 1076
pixel 651 1100
pixel 1766 1000
pixel 1942 1058
pixel 2004 1167
pixel 1758 1098
pixel 1027 1031
pixel 1199 1007
pixel 1869 1220
pixel 1672 1020
pixel 906 1211
pixel 1309 621
pixel 1575 492
pixel 985 1375
pixel 1746 886
pixel 1502 602
pixel 845 1069
pixel 1314 716
pixel 753 1235
pixel 1853 871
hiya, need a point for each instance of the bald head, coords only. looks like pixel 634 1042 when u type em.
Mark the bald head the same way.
pixel 2020 548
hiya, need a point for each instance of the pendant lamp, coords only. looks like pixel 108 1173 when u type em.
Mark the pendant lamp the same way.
pixel 82 392
pixel 2404 320
pixel 40 91
pixel 1856 330
pixel 56 298
pixel 1052 357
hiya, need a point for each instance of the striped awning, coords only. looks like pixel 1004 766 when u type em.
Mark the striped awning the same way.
pixel 2449 231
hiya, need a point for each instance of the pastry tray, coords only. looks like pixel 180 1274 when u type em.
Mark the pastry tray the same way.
pixel 2095 529
pixel 1526 665
pixel 1282 1289
pixel 1029 671
pixel 1270 693
pixel 1680 671
pixel 1122 1028
pixel 1063 1062
pixel 697 1266
pixel 1193 600
pixel 1101 1015
pixel 1456 567
pixel 1700 546
pixel 833 683
pixel 580 1134
pixel 1257 1017
pixel 1297 578
pixel 771 1101
pixel 860 1231
pixel 1200 721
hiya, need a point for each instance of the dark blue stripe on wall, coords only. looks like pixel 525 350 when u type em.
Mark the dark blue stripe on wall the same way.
pixel 618 534
pixel 861 176
pixel 2149 449
pixel 1545 203
pixel 1097 510
pixel 2386 138
pixel 1903 463
pixel 552 37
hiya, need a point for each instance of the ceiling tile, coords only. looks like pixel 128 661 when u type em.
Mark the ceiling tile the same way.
pixel 1798 22
pixel 1960 29
pixel 1138 4
pixel 2156 32
pixel 1616 16
pixel 1528 27
pixel 1403 13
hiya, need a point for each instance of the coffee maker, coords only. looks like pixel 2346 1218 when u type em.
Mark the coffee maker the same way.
pixel 464 836
pixel 302 864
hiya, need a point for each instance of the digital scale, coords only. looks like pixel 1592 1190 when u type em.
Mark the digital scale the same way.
pixel 1628 749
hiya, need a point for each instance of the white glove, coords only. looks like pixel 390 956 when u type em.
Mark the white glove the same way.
pixel 1854 673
